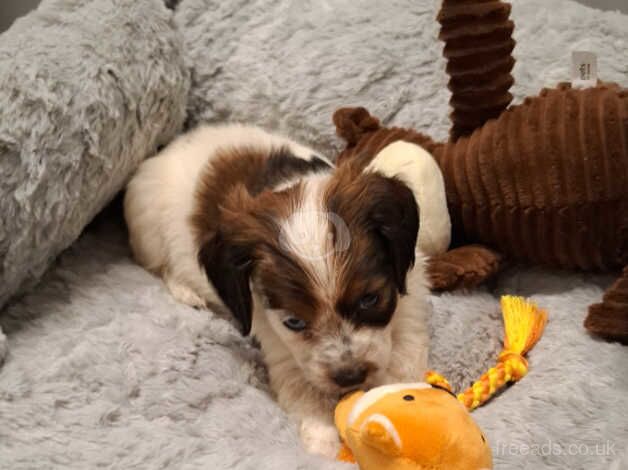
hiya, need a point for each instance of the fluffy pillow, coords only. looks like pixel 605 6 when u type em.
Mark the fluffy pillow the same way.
pixel 87 90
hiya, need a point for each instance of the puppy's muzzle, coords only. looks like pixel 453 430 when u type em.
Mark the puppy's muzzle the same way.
pixel 350 376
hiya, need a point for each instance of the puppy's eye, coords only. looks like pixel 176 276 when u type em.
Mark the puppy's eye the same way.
pixel 367 301
pixel 294 324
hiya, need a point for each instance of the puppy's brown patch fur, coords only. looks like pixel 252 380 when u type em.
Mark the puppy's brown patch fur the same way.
pixel 236 224
pixel 252 169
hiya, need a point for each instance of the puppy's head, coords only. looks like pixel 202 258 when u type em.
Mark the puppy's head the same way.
pixel 329 259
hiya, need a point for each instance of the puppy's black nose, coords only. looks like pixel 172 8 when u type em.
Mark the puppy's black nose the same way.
pixel 350 376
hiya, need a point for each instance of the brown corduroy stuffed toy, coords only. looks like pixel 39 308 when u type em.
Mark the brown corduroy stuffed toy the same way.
pixel 546 182
pixel 543 182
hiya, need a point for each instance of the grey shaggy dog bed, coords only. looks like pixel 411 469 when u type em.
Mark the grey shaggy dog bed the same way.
pixel 87 91
pixel 106 370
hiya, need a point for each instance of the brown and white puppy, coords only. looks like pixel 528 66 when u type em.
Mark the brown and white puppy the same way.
pixel 318 262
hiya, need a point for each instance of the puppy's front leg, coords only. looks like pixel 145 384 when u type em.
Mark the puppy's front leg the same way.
pixel 319 436
pixel 314 415
pixel 411 340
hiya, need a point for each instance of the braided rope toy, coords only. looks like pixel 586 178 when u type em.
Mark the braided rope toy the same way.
pixel 524 323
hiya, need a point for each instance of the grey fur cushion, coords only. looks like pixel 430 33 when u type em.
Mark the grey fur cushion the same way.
pixel 87 90
pixel 288 65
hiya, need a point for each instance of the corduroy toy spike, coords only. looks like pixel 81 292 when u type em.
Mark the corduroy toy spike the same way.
pixel 524 323
pixel 419 426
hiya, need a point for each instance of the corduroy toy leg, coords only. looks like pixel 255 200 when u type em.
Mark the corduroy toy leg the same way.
pixel 609 318
pixel 466 266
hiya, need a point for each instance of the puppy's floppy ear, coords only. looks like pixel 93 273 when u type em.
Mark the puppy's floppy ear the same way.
pixel 394 216
pixel 227 255
pixel 379 205
pixel 229 266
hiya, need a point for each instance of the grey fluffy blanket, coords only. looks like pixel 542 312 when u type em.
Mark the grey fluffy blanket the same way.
pixel 105 369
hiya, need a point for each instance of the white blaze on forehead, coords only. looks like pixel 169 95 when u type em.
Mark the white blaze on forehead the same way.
pixel 307 233
pixel 375 394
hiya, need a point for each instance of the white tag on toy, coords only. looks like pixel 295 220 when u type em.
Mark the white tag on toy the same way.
pixel 583 69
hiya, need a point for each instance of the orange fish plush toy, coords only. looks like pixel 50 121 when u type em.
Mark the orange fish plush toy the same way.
pixel 410 427
pixel 424 426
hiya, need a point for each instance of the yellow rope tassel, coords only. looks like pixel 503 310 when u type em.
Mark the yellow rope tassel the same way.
pixel 524 323
pixel 434 378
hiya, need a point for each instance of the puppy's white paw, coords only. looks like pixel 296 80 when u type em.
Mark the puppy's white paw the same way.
pixel 184 294
pixel 320 437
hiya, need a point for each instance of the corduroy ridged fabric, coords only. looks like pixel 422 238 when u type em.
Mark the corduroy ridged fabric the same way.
pixel 545 183
pixel 478 45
